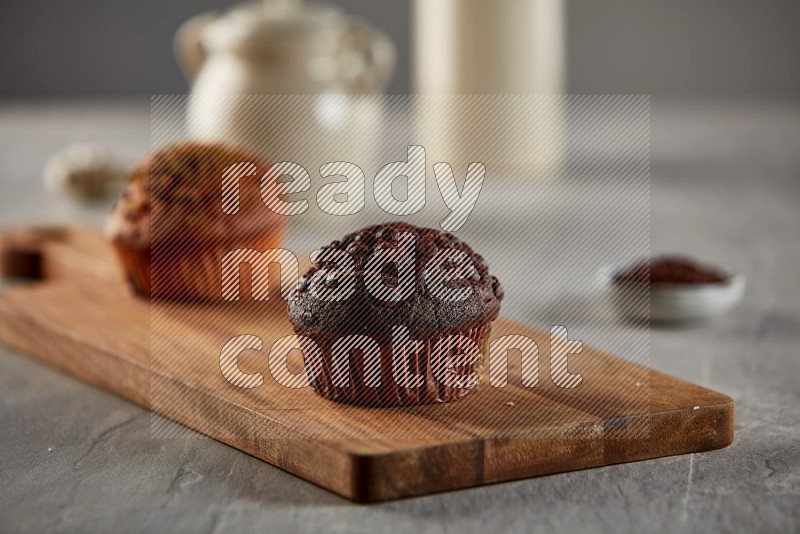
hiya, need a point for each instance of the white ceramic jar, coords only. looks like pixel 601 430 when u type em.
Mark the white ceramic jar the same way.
pixel 306 59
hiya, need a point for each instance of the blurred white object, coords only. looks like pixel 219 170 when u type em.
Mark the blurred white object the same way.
pixel 673 302
pixel 284 47
pixel 493 47
pixel 280 47
pixel 489 46
pixel 85 172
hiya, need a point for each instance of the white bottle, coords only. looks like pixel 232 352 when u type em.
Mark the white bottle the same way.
pixel 491 47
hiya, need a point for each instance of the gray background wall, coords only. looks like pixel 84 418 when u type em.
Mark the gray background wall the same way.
pixel 672 47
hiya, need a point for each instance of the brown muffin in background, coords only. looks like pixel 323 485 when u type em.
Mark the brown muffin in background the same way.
pixel 128 228
pixel 425 315
pixel 169 228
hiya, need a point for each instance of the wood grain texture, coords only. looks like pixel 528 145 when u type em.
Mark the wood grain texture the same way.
pixel 81 319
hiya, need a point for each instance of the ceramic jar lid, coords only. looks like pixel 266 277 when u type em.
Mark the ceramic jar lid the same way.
pixel 256 24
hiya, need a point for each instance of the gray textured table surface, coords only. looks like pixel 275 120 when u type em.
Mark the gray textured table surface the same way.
pixel 725 186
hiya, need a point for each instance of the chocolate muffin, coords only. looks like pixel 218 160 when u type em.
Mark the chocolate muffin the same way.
pixel 392 299
pixel 169 228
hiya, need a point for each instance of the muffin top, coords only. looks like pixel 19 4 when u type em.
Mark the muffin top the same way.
pixel 130 222
pixel 424 311
pixel 181 185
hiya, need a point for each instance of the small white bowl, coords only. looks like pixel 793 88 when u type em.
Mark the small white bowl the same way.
pixel 673 302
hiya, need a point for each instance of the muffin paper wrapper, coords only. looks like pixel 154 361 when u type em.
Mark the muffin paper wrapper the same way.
pixel 389 393
pixel 136 265
pixel 185 270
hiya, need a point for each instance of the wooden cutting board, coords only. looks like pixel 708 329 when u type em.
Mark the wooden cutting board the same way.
pixel 79 318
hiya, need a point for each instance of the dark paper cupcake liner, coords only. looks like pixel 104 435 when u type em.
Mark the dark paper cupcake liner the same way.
pixel 358 391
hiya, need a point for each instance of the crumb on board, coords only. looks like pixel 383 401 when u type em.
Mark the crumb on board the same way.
pixel 696 408
pixel 510 403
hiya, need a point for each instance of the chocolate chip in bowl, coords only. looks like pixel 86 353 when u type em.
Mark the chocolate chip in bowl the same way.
pixel 673 288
